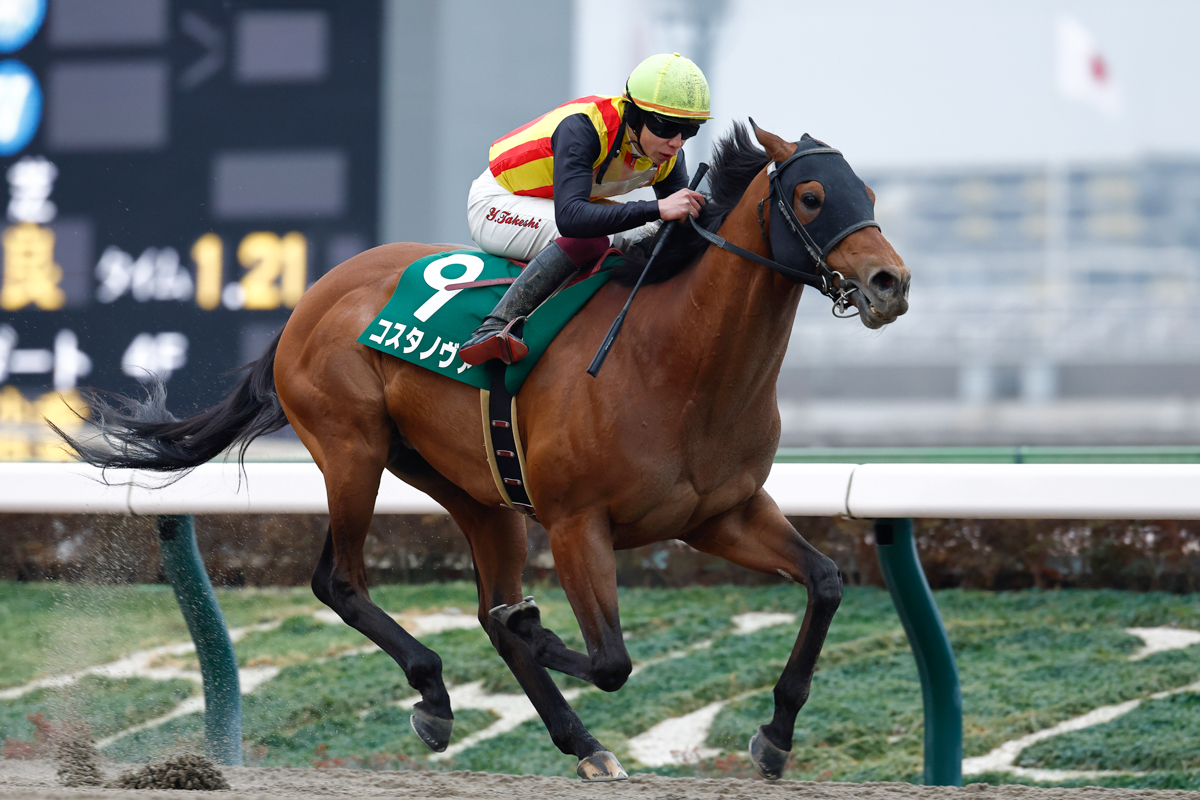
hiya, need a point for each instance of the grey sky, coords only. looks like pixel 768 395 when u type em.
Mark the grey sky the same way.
pixel 924 83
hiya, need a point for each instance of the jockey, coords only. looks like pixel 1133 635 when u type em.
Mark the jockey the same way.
pixel 544 195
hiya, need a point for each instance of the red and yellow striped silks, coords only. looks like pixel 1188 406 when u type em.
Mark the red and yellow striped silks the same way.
pixel 523 162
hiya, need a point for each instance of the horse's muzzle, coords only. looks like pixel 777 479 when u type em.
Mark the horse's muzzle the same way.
pixel 883 296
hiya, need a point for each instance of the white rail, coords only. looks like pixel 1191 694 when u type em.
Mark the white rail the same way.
pixel 1016 491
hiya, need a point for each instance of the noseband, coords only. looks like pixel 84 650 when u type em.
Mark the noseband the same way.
pixel 804 248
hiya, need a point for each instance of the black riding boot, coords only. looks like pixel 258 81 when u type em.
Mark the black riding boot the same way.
pixel 545 273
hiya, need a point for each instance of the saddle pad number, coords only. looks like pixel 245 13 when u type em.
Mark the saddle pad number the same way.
pixel 424 324
pixel 435 277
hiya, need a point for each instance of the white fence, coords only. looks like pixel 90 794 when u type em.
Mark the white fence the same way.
pixel 1017 491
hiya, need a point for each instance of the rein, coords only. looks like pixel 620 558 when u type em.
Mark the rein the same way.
pixel 820 276
pixel 821 280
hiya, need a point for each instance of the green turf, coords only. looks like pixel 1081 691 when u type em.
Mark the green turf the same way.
pixel 1027 661
pixel 1159 735
pixel 348 705
pixel 297 639
pixel 106 705
pixel 51 628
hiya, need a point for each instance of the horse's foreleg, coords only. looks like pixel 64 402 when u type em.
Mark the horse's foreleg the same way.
pixel 525 620
pixel 498 547
pixel 340 582
pixel 587 569
pixel 756 535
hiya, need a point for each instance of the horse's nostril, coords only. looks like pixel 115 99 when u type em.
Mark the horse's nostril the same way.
pixel 883 281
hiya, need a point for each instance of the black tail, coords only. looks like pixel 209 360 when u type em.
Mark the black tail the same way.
pixel 144 435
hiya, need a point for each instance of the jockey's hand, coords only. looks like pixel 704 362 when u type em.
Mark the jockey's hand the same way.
pixel 681 205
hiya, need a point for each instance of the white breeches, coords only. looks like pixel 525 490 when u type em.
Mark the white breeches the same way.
pixel 518 227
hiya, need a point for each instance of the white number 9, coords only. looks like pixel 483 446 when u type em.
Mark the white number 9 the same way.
pixel 433 276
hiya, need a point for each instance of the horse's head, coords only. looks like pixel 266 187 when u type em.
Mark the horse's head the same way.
pixel 831 229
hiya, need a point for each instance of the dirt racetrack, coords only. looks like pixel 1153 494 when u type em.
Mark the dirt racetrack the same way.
pixel 35 780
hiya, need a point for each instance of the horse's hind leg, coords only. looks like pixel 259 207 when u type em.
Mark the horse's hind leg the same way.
pixel 352 481
pixel 757 535
pixel 498 546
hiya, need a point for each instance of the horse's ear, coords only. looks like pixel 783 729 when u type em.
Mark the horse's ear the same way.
pixel 807 138
pixel 776 148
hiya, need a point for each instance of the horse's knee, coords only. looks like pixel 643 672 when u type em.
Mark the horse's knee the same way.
pixel 825 583
pixel 609 673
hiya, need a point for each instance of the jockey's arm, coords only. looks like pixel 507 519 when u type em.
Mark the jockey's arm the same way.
pixel 576 147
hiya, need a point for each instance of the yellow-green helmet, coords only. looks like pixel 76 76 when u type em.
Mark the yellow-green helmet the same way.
pixel 670 84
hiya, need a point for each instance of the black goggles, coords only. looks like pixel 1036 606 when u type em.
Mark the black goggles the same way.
pixel 669 127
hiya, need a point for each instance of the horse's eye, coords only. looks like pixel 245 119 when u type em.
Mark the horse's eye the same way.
pixel 811 201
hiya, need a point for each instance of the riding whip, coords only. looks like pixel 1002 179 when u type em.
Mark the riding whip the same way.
pixel 606 345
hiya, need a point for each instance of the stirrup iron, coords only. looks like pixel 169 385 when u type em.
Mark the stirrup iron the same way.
pixel 503 344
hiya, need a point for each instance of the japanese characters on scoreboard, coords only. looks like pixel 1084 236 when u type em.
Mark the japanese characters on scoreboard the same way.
pixel 178 173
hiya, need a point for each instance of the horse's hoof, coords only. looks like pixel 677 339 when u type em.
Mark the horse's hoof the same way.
pixel 433 731
pixel 601 766
pixel 769 760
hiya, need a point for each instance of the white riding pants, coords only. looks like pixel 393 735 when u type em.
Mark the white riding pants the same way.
pixel 519 227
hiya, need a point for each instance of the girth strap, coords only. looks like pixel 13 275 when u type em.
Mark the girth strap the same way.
pixel 502 440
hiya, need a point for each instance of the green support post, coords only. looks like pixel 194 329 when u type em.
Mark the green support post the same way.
pixel 930 645
pixel 214 649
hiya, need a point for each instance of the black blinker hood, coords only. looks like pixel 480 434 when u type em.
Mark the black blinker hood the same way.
pixel 846 209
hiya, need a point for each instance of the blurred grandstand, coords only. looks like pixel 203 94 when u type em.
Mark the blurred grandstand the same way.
pixel 1049 306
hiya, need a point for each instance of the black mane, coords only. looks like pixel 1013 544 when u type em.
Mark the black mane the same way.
pixel 736 160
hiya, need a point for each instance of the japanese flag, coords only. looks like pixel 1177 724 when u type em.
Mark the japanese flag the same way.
pixel 1082 71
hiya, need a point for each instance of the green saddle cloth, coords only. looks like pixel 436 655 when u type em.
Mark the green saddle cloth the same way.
pixel 424 323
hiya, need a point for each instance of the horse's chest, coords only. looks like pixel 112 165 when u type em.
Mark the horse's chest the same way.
pixel 669 507
pixel 698 472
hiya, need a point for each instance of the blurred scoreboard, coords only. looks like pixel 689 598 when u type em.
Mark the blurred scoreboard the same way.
pixel 178 173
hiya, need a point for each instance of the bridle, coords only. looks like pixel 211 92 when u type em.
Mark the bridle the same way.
pixel 809 245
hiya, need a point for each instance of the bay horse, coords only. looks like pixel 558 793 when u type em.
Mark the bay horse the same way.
pixel 672 441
